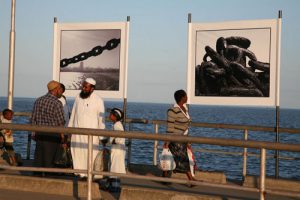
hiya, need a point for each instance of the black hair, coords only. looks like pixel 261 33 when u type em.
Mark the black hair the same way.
pixel 116 112
pixel 63 87
pixel 6 110
pixel 178 95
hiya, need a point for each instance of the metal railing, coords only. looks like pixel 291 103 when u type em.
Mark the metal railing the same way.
pixel 128 121
pixel 156 123
pixel 262 146
pixel 244 128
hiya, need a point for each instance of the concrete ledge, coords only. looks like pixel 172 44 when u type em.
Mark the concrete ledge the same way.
pixel 211 177
pixel 136 193
pixel 48 185
pixel 272 183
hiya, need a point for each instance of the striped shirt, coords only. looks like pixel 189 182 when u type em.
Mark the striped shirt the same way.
pixel 48 111
pixel 177 122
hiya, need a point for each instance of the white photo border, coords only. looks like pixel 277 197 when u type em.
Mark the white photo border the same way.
pixel 233 25
pixel 122 26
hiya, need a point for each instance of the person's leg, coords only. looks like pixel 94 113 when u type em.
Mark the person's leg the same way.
pixel 10 150
pixel 49 153
pixel 167 174
pixel 38 154
pixel 2 141
pixel 190 177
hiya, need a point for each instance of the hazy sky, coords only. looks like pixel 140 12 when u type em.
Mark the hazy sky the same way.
pixel 157 61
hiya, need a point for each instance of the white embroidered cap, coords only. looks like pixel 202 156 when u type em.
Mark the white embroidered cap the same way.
pixel 90 81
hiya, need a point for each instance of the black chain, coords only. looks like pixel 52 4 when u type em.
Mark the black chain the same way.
pixel 111 44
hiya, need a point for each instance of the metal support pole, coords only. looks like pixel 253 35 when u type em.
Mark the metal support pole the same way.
pixel 277 140
pixel 90 166
pixel 155 146
pixel 124 110
pixel 245 156
pixel 262 174
pixel 278 59
pixel 10 92
pixel 129 147
pixel 28 146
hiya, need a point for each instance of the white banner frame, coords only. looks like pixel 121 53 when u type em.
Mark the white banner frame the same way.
pixel 240 27
pixel 123 27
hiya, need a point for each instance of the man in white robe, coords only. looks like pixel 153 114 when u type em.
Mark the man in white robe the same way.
pixel 88 112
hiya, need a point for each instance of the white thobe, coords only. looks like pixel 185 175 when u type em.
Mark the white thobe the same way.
pixel 86 113
pixel 63 100
pixel 118 151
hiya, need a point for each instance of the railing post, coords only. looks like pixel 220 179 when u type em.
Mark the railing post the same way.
pixel 90 166
pixel 277 140
pixel 245 156
pixel 28 146
pixel 262 174
pixel 129 147
pixel 155 146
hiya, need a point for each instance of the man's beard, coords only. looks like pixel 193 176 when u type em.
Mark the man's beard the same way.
pixel 84 94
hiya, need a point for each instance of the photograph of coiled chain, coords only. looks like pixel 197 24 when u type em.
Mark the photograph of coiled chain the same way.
pixel 232 70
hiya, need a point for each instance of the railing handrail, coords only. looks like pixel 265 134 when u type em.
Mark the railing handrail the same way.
pixel 128 120
pixel 139 135
pixel 203 124
pixel 235 126
pixel 146 136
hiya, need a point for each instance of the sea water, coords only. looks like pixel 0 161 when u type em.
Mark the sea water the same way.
pixel 142 150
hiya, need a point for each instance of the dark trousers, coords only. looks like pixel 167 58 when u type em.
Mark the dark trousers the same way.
pixel 46 147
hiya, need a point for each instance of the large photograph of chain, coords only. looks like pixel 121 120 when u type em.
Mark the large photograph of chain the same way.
pixel 233 63
pixel 90 53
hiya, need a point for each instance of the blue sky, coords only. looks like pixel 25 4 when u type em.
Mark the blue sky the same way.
pixel 157 61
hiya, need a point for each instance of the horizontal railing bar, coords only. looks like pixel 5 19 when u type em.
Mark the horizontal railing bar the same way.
pixel 234 126
pixel 152 178
pixel 161 179
pixel 176 180
pixel 22 114
pixel 237 153
pixel 199 183
pixel 43 169
pixel 283 193
pixel 147 136
pixel 241 153
pixel 204 125
pixel 134 176
pixel 128 120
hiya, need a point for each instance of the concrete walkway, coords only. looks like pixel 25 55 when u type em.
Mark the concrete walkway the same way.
pixel 17 186
pixel 141 189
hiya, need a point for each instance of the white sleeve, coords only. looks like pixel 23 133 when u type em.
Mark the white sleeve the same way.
pixel 71 120
pixel 119 127
pixel 101 121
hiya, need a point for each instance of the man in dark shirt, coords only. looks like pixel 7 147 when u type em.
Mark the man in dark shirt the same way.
pixel 48 111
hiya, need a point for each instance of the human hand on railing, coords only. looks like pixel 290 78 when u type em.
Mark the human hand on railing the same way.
pixel 8 133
